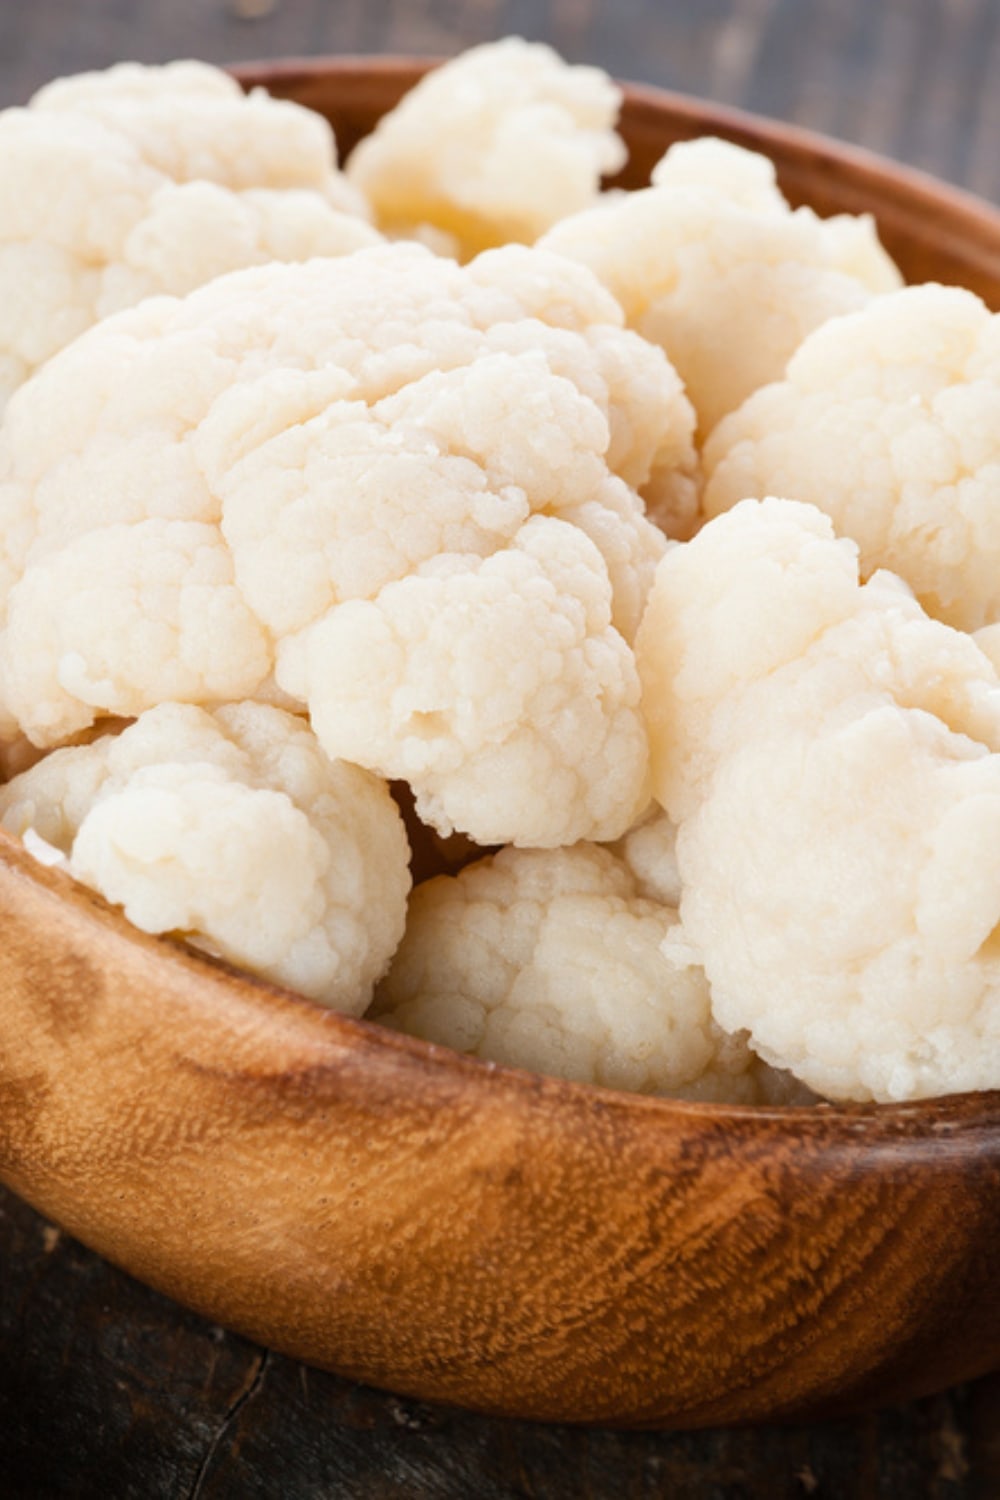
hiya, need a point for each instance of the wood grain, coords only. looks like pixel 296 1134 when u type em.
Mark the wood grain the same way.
pixel 108 1390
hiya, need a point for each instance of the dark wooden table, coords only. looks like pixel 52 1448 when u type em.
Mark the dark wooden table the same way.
pixel 108 1391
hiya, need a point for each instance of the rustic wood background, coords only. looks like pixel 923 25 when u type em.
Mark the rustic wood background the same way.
pixel 109 1392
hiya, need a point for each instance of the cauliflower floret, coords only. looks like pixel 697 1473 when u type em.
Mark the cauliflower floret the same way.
pixel 551 960
pixel 234 830
pixel 117 186
pixel 196 231
pixel 694 650
pixel 127 618
pixel 493 147
pixel 833 758
pixel 712 264
pixel 194 122
pixel 888 420
pixel 299 455
pixel 649 849
pixel 497 689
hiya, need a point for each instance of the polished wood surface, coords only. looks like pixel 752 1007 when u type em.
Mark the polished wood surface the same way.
pixel 219 1416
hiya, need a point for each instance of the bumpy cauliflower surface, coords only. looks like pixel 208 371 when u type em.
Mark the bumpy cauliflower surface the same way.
pixel 116 186
pixel 549 959
pixel 649 849
pixel 712 264
pixel 194 122
pixel 888 420
pixel 833 758
pixel 497 688
pixel 234 830
pixel 493 147
pixel 425 499
pixel 333 472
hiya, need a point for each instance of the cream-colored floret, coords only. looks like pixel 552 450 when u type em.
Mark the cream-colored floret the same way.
pixel 711 264
pixel 497 688
pixel 551 960
pixel 128 617
pixel 649 849
pixel 492 147
pixel 193 122
pixel 118 186
pixel 888 420
pixel 833 758
pixel 194 488
pixel 234 830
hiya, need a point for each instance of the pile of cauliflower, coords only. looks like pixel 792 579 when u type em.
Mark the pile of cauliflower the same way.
pixel 394 601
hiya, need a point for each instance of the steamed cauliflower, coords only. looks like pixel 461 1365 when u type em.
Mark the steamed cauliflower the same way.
pixel 234 830
pixel 496 688
pixel 832 757
pixel 330 476
pixel 551 960
pixel 649 849
pixel 712 264
pixel 437 497
pixel 116 186
pixel 191 122
pixel 888 420
pixel 492 147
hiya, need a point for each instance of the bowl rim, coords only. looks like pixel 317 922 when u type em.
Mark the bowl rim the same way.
pixel 424 1062
pixel 967 226
pixel 784 138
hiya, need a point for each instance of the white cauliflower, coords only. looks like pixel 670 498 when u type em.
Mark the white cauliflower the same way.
pixel 888 420
pixel 551 960
pixel 712 264
pixel 332 472
pixel 193 122
pixel 649 849
pixel 233 830
pixel 496 688
pixel 833 758
pixel 116 186
pixel 492 147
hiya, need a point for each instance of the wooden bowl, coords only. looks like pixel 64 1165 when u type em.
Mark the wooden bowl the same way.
pixel 455 1230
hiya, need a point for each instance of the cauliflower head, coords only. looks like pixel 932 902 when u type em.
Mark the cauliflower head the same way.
pixel 492 147
pixel 550 960
pixel 234 830
pixel 889 421
pixel 331 473
pixel 121 185
pixel 832 756
pixel 192 122
pixel 712 264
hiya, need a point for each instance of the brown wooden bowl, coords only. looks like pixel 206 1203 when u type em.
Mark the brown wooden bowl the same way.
pixel 471 1233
